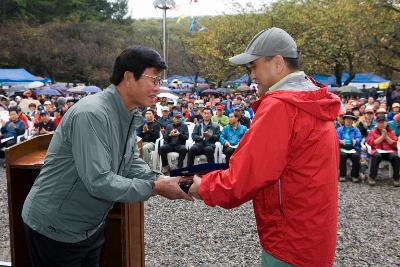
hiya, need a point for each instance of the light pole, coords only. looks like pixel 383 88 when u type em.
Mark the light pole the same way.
pixel 164 5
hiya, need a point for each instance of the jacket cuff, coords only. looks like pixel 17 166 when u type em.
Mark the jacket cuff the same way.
pixel 204 190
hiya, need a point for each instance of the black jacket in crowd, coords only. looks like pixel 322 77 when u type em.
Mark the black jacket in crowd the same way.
pixel 201 127
pixel 245 121
pixel 176 140
pixel 152 134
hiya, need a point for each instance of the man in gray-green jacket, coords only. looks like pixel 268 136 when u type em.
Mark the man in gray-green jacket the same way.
pixel 92 162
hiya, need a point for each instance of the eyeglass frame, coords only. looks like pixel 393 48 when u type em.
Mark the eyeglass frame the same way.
pixel 155 78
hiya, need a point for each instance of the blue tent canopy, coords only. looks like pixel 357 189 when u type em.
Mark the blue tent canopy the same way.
pixel 366 77
pixel 16 76
pixel 186 79
pixel 242 79
pixel 325 79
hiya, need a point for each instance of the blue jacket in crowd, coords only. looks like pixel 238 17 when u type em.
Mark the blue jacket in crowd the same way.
pixel 231 135
pixel 354 133
pixel 250 111
pixel 396 128
pixel 19 129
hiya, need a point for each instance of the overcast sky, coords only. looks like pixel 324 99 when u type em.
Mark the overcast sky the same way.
pixel 145 9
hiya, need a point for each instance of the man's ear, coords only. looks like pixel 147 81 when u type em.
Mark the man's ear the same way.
pixel 280 62
pixel 128 76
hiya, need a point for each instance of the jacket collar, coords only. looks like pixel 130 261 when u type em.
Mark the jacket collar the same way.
pixel 123 113
pixel 297 81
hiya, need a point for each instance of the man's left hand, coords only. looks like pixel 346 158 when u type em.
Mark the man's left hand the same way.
pixel 194 189
pixel 207 134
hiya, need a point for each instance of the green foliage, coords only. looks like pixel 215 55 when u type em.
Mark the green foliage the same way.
pixel 333 35
pixel 80 39
pixel 42 11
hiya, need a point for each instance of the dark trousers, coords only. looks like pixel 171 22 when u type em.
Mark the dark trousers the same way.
pixel 167 148
pixel 355 164
pixel 228 151
pixel 376 159
pixel 7 144
pixel 46 252
pixel 200 149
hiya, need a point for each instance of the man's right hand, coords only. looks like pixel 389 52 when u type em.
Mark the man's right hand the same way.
pixel 384 132
pixel 227 144
pixel 168 187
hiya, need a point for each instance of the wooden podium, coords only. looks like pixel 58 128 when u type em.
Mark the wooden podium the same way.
pixel 124 244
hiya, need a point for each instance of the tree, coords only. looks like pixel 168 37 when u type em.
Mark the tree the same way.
pixel 42 11
pixel 67 51
pixel 225 37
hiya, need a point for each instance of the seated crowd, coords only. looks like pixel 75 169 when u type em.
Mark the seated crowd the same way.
pixel 24 117
pixel 367 135
pixel 193 126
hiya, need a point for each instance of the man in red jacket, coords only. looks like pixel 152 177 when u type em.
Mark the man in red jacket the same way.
pixel 383 142
pixel 287 162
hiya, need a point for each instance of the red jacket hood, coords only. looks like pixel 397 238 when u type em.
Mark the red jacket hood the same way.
pixel 320 103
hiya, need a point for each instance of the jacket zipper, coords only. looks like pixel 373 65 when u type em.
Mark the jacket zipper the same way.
pixel 280 198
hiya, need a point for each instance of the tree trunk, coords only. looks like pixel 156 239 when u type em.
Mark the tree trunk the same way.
pixel 338 74
pixel 351 71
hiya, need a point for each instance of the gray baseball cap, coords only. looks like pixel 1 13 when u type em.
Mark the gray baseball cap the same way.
pixel 267 43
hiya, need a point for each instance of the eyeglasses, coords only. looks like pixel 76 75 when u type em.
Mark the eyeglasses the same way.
pixel 156 80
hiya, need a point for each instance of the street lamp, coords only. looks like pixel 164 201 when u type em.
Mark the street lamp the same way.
pixel 164 5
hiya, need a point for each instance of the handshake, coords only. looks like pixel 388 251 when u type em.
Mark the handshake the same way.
pixel 178 187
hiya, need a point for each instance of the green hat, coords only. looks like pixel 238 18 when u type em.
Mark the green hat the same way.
pixel 267 43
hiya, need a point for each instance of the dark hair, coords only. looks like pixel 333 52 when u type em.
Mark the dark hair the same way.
pixel 234 114
pixel 206 108
pixel 149 110
pixel 136 59
pixel 60 110
pixel 291 62
pixel 14 109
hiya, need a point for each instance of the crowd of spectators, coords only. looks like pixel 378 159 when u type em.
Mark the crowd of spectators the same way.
pixel 368 131
pixel 192 125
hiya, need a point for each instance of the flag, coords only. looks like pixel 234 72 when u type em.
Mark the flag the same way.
pixel 193 25
pixel 202 29
pixel 181 18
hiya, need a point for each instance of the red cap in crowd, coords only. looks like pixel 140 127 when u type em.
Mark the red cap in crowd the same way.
pixel 220 107
pixel 369 110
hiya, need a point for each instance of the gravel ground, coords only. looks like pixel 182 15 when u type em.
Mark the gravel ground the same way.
pixel 191 234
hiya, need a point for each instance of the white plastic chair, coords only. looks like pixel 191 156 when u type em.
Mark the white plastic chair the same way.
pixel 385 162
pixel 154 154
pixel 203 158
pixel 172 157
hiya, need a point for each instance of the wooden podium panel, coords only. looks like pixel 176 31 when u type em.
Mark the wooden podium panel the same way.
pixel 124 244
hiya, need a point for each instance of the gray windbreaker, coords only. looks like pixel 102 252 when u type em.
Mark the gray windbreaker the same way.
pixel 78 182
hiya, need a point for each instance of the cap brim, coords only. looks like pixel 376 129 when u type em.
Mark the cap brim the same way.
pixel 243 59
pixel 350 117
